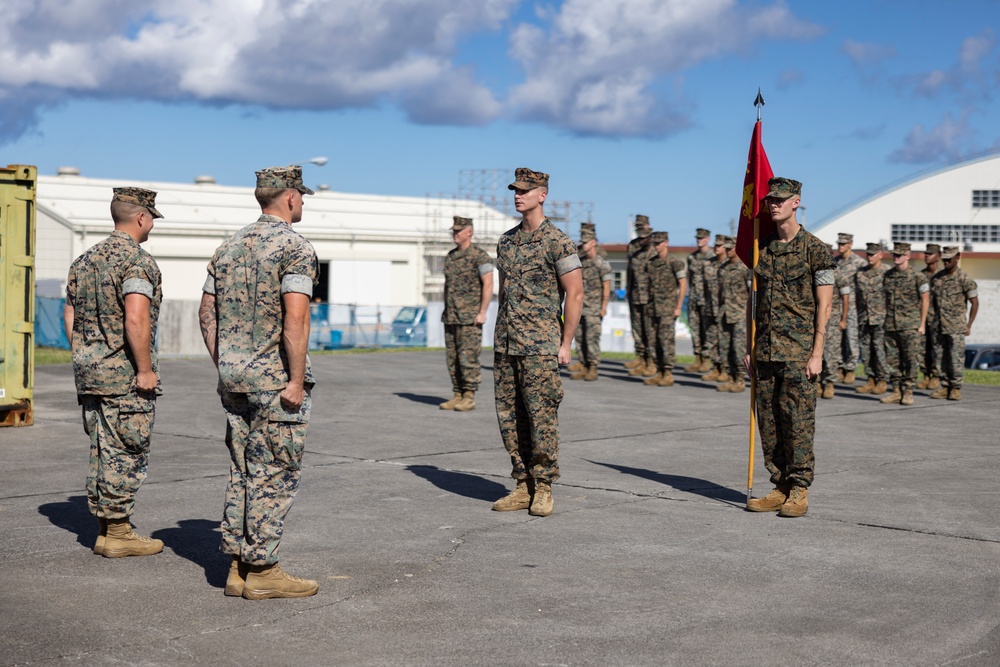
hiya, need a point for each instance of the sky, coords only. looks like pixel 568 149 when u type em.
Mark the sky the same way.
pixel 632 106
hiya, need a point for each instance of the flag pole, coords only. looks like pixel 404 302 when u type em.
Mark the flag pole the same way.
pixel 759 103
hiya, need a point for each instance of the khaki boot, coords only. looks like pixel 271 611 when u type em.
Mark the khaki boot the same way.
pixel 121 541
pixel 651 368
pixel 591 374
pixel 724 378
pixel 666 379
pixel 827 390
pixel 450 404
pixel 693 367
pixel 575 367
pixel 632 364
pixel 518 499
pixel 907 397
pixel 940 393
pixel 724 386
pixel 772 502
pixel 867 387
pixel 639 369
pixel 934 383
pixel 237 579
pixel 270 581
pixel 711 376
pixel 879 389
pixel 706 364
pixel 737 386
pixel 653 381
pixel 579 375
pixel 840 375
pixel 923 383
pixel 541 502
pixel 955 394
pixel 849 377
pixel 797 503
pixel 102 533
pixel 467 403
pixel 894 397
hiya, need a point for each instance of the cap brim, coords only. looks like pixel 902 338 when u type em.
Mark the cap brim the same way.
pixel 521 185
pixel 156 214
pixel 304 190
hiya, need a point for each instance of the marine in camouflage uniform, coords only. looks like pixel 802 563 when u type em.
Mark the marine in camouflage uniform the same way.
pixel 538 264
pixel 698 302
pixel 596 273
pixel 794 290
pixel 930 362
pixel 255 321
pixel 113 296
pixel 848 264
pixel 735 280
pixel 667 286
pixel 637 294
pixel 870 299
pixel 710 314
pixel 906 303
pixel 836 328
pixel 468 288
pixel 952 289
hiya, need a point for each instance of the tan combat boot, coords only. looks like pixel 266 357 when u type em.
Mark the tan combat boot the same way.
pixel 467 403
pixel 772 502
pixel 591 374
pixel 867 387
pixel 737 386
pixel 654 380
pixel 541 502
pixel 518 499
pixel 666 379
pixel 693 367
pixel 894 397
pixel 579 375
pixel 934 383
pixel 849 377
pixel 840 375
pixel 638 369
pixel 270 581
pixel 121 541
pixel 237 579
pixel 724 386
pixel 102 533
pixel 632 364
pixel 797 503
pixel 450 404
pixel 575 367
pixel 706 364
pixel 955 394
pixel 923 383
pixel 879 389
pixel 724 378
pixel 651 368
pixel 827 390
pixel 907 397
pixel 940 393
pixel 712 375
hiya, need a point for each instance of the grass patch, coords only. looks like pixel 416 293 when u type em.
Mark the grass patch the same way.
pixel 52 355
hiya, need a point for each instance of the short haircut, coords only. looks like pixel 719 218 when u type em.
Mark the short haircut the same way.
pixel 122 211
pixel 267 196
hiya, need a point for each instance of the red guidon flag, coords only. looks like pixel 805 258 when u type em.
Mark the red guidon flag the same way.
pixel 755 188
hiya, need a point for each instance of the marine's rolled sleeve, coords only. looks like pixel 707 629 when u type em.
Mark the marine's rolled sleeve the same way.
pixel 138 286
pixel 209 286
pixel 824 277
pixel 485 268
pixel 299 284
pixel 567 264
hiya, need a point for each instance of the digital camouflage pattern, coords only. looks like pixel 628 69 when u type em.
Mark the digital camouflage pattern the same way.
pixel 871 338
pixel 903 290
pixel 463 284
pixel 637 293
pixel 734 290
pixel 99 279
pixel 119 428
pixel 265 444
pixel 787 274
pixel 786 417
pixel 848 270
pixel 596 272
pixel 710 310
pixel 696 296
pixel 870 298
pixel 930 361
pixel 287 178
pixel 138 197
pixel 248 276
pixel 463 344
pixel 526 179
pixel 951 294
pixel 833 350
pixel 530 307
pixel 528 393
pixel 902 356
pixel 664 289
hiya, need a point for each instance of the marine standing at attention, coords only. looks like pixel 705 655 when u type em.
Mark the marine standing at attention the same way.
pixel 697 303
pixel 539 265
pixel 667 287
pixel 596 294
pixel 907 298
pixel 637 293
pixel 870 285
pixel 952 289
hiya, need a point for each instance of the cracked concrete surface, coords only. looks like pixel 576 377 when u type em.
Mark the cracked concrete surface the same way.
pixel 649 558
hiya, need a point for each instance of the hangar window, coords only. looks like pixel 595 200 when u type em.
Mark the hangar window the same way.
pixel 986 199
pixel 947 233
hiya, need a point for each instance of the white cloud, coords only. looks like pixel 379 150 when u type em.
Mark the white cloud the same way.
pixel 945 141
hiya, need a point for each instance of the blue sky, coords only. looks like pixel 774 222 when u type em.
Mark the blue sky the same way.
pixel 639 106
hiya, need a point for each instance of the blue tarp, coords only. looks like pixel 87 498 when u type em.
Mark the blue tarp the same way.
pixel 49 329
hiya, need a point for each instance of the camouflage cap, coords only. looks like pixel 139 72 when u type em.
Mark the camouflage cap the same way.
pixel 525 179
pixel 933 248
pixel 900 248
pixel 950 251
pixel 588 232
pixel 783 188
pixel 643 231
pixel 720 239
pixel 660 237
pixel 728 242
pixel 641 220
pixel 458 223
pixel 702 233
pixel 289 178
pixel 139 197
pixel 873 248
pixel 844 238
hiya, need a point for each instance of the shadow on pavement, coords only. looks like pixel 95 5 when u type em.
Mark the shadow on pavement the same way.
pixel 72 515
pixel 700 487
pixel 197 540
pixel 460 483
pixel 420 398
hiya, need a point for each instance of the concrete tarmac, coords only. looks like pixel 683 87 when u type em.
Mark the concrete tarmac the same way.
pixel 649 558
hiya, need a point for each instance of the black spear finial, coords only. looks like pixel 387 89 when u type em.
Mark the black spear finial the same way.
pixel 759 102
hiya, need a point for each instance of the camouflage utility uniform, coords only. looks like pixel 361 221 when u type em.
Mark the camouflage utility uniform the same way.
pixel 847 271
pixel 870 291
pixel 664 289
pixel 710 311
pixel 734 289
pixel 952 292
pixel 596 272
pixel 640 312
pixel 697 300
pixel 787 274
pixel 833 346
pixel 526 346
pixel 117 417
pixel 463 295
pixel 903 290
pixel 248 276
pixel 931 360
